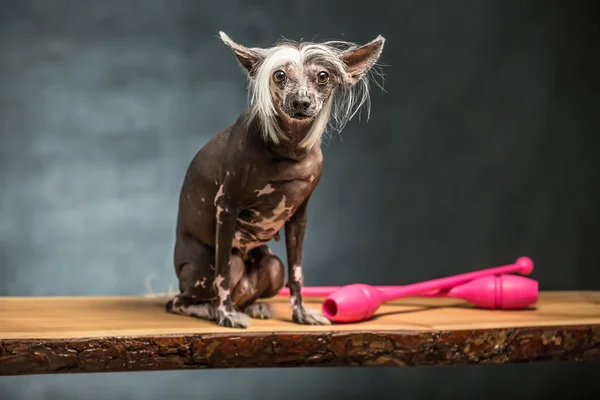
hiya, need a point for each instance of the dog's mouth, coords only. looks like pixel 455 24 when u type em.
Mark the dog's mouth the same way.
pixel 300 115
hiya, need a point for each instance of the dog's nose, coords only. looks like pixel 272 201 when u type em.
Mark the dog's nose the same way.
pixel 301 103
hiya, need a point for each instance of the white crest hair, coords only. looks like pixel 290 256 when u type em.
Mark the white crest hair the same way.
pixel 344 103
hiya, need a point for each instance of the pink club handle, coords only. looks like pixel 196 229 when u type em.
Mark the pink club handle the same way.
pixel 324 291
pixel 523 266
pixel 319 291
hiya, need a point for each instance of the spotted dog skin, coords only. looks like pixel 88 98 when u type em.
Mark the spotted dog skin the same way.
pixel 237 195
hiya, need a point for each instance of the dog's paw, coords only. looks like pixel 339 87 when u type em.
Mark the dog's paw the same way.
pixel 309 317
pixel 259 311
pixel 233 319
pixel 182 306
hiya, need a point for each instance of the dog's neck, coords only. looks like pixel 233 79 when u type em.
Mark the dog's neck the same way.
pixel 296 131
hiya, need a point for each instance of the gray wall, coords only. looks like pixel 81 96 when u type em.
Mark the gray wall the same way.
pixel 483 148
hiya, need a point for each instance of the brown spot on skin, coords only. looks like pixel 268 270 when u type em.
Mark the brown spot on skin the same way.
pixel 297 274
pixel 294 302
pixel 219 194
pixel 223 293
pixel 268 189
pixel 201 283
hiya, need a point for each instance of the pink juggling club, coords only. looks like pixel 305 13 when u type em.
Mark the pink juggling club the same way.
pixel 354 303
pixel 505 291
pixel 483 288
pixel 357 302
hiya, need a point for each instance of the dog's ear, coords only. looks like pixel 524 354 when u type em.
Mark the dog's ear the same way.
pixel 249 58
pixel 360 60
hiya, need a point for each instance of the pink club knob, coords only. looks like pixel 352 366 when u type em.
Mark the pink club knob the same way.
pixel 525 264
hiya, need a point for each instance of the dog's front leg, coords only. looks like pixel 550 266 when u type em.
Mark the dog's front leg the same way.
pixel 226 315
pixel 295 230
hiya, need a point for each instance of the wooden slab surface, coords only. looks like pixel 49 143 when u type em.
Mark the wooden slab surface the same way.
pixel 96 334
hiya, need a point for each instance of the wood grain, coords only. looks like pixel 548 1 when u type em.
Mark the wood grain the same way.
pixel 110 334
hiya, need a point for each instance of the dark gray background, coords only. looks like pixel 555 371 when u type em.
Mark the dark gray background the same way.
pixel 483 148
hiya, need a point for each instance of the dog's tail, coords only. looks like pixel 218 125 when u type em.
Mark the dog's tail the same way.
pixel 151 293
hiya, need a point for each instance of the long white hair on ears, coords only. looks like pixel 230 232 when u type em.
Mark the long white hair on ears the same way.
pixel 345 102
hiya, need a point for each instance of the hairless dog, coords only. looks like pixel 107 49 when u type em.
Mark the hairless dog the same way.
pixel 257 176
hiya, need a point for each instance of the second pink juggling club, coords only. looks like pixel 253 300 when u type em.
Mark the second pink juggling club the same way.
pixel 506 292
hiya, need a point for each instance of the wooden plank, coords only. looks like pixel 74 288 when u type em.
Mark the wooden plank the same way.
pixel 110 334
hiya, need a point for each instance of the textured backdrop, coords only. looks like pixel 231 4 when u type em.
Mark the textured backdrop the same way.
pixel 483 147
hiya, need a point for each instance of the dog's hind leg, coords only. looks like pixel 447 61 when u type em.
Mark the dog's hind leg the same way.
pixel 195 270
pixel 196 290
pixel 263 277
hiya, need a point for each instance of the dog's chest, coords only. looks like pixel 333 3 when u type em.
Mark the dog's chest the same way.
pixel 273 205
pixel 273 199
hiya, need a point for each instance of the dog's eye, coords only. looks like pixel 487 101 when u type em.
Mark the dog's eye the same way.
pixel 323 77
pixel 279 76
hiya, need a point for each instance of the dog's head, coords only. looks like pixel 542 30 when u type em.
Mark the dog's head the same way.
pixel 306 84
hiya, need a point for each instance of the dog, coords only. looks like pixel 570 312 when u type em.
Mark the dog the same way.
pixel 256 177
